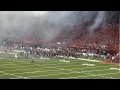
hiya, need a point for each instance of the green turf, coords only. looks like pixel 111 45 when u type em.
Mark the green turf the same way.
pixel 11 68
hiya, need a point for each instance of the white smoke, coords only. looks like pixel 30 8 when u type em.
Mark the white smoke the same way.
pixel 100 19
pixel 36 13
pixel 46 24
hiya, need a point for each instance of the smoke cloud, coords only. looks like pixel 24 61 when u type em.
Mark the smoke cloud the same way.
pixel 99 20
pixel 45 25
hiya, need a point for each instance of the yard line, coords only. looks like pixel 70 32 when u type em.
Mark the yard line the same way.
pixel 57 60
pixel 60 63
pixel 72 63
pixel 52 74
pixel 22 69
pixel 37 71
pixel 8 64
pixel 44 63
pixel 113 78
pixel 14 78
pixel 58 66
pixel 14 67
pixel 50 61
pixel 76 77
pixel 67 65
pixel 82 65
pixel 109 73
pixel 5 62
pixel 15 75
pixel 96 70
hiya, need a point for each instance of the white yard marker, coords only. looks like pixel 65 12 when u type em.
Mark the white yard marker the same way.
pixel 63 61
pixel 113 68
pixel 89 64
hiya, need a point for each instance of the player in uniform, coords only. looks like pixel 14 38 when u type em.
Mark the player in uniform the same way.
pixel 16 56
pixel 32 59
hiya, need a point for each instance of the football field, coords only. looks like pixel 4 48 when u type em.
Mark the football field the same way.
pixel 55 68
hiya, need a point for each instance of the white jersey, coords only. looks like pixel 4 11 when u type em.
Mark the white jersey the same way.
pixel 113 57
pixel 15 55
